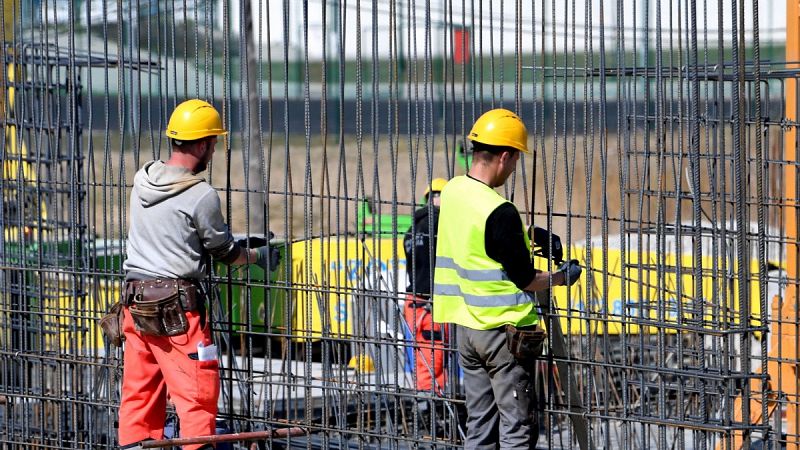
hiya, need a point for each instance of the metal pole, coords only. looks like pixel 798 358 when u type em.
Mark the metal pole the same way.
pixel 256 201
pixel 233 437
pixel 566 373
pixel 253 138
pixel 336 64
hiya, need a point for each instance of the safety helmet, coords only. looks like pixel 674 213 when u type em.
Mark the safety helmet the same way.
pixel 500 127
pixel 194 119
pixel 362 363
pixel 437 184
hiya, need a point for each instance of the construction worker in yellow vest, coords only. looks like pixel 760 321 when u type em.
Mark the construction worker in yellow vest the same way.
pixel 482 284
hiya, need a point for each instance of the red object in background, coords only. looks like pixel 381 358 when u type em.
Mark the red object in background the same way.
pixel 461 49
pixel 430 345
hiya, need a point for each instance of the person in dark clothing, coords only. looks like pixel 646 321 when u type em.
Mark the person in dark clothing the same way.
pixel 429 338
pixel 420 239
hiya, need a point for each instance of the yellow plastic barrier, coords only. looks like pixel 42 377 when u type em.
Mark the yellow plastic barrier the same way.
pixel 651 303
pixel 81 331
pixel 325 271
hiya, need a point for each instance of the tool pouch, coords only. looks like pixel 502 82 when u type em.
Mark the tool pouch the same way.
pixel 156 309
pixel 111 324
pixel 525 343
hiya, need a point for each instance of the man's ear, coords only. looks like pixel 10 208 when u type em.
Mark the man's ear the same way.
pixel 199 148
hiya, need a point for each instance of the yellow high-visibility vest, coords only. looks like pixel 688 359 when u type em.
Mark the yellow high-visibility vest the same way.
pixel 469 287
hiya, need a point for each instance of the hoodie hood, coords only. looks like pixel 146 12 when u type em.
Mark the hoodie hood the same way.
pixel 422 211
pixel 156 182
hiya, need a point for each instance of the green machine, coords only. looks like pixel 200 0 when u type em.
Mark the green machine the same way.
pixel 254 295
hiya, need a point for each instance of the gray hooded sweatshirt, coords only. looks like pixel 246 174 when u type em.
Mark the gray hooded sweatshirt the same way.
pixel 175 224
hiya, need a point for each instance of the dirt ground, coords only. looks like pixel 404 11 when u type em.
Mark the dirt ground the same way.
pixel 315 187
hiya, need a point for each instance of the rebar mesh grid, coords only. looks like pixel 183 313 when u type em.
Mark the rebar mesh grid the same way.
pixel 664 137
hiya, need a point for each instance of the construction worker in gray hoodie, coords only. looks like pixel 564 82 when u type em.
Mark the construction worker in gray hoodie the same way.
pixel 176 227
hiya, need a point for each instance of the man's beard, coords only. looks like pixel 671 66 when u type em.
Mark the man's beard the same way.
pixel 200 167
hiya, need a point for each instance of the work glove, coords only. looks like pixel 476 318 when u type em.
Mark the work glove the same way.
pixel 571 270
pixel 267 256
pixel 541 239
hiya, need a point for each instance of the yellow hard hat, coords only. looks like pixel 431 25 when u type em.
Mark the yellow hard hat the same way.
pixel 362 363
pixel 437 184
pixel 194 119
pixel 500 127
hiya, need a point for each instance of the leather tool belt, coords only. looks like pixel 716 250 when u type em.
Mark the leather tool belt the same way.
pixel 525 343
pixel 158 307
pixel 111 324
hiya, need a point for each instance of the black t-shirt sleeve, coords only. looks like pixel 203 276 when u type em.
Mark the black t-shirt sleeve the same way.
pixel 505 244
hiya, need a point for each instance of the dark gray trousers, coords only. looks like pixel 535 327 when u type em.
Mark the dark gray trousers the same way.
pixel 501 399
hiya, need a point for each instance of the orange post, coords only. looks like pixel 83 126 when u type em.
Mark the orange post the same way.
pixel 783 366
pixel 788 328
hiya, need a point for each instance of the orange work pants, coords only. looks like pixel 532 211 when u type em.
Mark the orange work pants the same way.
pixel 430 343
pixel 158 365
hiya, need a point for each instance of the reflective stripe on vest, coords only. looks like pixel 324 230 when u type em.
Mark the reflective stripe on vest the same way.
pixel 470 288
pixel 485 301
pixel 471 274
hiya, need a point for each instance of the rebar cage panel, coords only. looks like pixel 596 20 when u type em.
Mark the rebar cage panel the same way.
pixel 664 137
